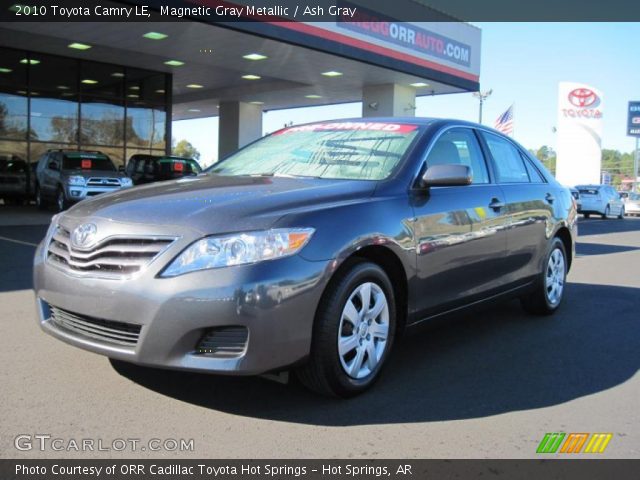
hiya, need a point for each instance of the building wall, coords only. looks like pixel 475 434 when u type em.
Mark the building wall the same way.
pixel 47 101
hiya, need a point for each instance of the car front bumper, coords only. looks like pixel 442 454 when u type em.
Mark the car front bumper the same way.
pixel 275 301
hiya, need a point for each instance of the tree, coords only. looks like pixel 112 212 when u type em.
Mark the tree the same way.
pixel 184 149
pixel 547 156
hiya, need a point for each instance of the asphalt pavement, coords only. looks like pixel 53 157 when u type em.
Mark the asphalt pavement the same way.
pixel 485 385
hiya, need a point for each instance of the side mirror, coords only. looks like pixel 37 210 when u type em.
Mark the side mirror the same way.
pixel 53 166
pixel 447 176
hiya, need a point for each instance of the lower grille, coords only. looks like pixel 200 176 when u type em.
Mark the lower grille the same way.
pixel 223 342
pixel 108 331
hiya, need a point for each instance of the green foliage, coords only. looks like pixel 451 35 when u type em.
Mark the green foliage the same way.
pixel 184 149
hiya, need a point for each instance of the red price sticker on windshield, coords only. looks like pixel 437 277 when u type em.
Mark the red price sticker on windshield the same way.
pixel 352 127
pixel 178 167
pixel 85 163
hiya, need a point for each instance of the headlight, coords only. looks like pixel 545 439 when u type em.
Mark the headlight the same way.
pixel 76 180
pixel 126 182
pixel 239 249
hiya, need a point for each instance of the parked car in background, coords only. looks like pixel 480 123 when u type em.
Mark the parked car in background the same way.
pixel 309 250
pixel 601 200
pixel 144 168
pixel 64 177
pixel 576 196
pixel 632 205
pixel 16 179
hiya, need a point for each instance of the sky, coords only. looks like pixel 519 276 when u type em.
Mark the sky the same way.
pixel 522 63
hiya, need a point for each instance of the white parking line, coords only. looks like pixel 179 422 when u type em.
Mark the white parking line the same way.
pixel 21 242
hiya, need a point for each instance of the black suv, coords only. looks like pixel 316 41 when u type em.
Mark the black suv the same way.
pixel 68 176
pixel 151 168
pixel 16 179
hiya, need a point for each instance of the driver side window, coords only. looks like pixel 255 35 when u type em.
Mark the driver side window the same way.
pixel 460 146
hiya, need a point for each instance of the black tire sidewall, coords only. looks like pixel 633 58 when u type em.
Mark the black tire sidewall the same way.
pixel 340 381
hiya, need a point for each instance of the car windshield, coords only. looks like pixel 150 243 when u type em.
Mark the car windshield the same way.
pixel 634 196
pixel 337 150
pixel 178 166
pixel 87 161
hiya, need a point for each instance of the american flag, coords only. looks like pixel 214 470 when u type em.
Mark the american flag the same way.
pixel 504 123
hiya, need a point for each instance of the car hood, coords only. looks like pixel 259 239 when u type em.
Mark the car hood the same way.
pixel 217 204
pixel 94 173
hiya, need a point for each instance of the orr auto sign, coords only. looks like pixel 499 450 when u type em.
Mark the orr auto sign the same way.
pixel 407 35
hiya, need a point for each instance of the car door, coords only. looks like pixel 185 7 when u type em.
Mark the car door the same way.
pixel 460 231
pixel 530 200
pixel 51 172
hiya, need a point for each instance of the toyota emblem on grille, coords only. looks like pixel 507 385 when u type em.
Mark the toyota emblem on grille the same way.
pixel 84 235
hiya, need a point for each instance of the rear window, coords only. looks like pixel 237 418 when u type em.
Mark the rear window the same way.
pixel 87 161
pixel 336 150
pixel 588 191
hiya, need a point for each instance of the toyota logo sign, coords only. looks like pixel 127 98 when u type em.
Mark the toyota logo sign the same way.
pixel 84 235
pixel 582 97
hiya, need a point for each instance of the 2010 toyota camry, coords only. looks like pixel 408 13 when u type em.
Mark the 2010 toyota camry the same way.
pixel 308 250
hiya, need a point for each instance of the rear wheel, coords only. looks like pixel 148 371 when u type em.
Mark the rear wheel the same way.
pixel 606 213
pixel 587 215
pixel 353 333
pixel 549 289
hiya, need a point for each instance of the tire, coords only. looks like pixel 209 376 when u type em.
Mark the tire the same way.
pixel 61 201
pixel 40 202
pixel 621 216
pixel 587 215
pixel 606 213
pixel 342 315
pixel 542 301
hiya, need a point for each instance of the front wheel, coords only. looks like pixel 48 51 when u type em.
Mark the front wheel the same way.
pixel 549 289
pixel 61 201
pixel 621 216
pixel 353 333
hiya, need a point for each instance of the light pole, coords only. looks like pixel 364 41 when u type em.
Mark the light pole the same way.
pixel 482 96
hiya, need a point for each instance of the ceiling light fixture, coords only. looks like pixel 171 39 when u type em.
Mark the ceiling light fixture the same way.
pixel 419 84
pixel 79 46
pixel 89 81
pixel 251 77
pixel 194 85
pixel 174 63
pixel 254 56
pixel 155 36
pixel 332 73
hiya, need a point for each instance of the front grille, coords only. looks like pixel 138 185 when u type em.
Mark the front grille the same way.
pixel 115 256
pixel 103 182
pixel 223 342
pixel 109 331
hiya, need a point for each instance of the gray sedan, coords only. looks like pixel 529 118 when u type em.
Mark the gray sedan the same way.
pixel 309 250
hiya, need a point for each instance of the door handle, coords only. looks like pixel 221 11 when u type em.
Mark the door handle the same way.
pixel 549 198
pixel 496 204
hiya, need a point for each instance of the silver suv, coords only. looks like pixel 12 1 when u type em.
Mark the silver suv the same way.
pixel 68 176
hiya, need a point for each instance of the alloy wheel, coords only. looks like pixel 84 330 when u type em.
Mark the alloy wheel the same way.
pixel 363 330
pixel 554 279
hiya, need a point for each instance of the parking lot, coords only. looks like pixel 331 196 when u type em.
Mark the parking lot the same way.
pixel 489 384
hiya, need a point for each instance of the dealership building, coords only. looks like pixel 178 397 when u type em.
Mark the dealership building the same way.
pixel 117 86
